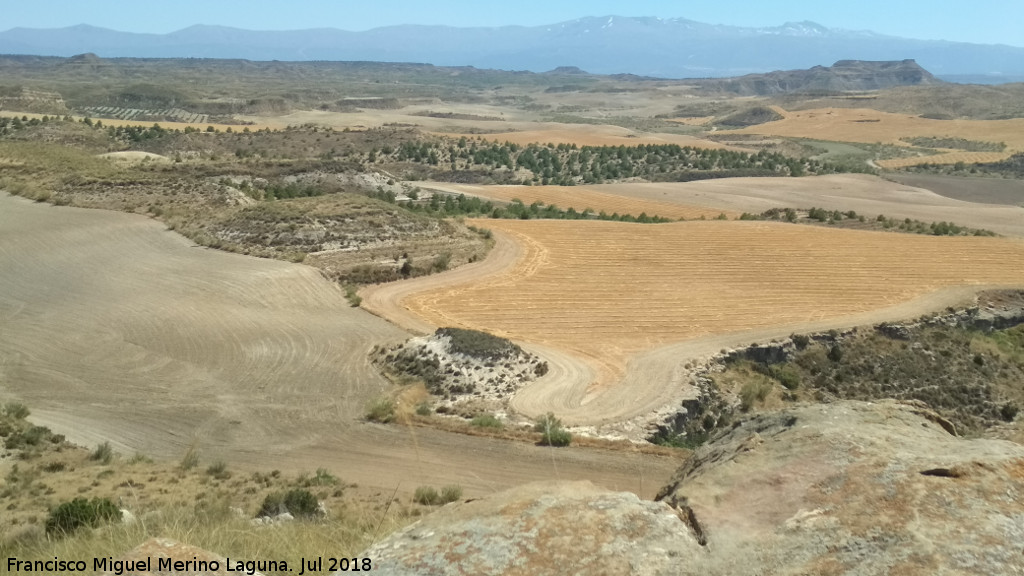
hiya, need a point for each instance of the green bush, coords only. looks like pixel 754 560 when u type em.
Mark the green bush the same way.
pixel 219 470
pixel 551 431
pixel 381 410
pixel 427 496
pixel 16 410
pixel 451 494
pixel 752 393
pixel 486 421
pixel 103 453
pixel 788 376
pixel 71 516
pixel 298 502
pixel 478 344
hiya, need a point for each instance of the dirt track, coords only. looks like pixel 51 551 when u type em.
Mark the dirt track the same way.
pixel 114 329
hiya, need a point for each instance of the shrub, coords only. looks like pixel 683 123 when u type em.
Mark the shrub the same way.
pixel 451 494
pixel 191 458
pixel 801 341
pixel 552 433
pixel 16 410
pixel 1008 411
pixel 423 409
pixel 427 496
pixel 381 410
pixel 219 470
pixel 298 502
pixel 103 453
pixel 787 376
pixel 486 421
pixel 835 353
pixel 80 512
pixel 752 393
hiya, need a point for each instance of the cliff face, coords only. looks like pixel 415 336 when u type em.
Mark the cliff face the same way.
pixel 843 488
pixel 843 76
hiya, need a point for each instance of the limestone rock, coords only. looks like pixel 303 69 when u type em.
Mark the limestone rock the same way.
pixel 144 560
pixel 854 488
pixel 842 488
pixel 541 528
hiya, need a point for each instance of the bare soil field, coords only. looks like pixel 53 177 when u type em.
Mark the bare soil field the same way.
pixel 981 190
pixel 606 293
pixel 870 126
pixel 581 198
pixel 114 329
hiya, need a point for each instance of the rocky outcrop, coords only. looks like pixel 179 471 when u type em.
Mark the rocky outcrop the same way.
pixel 843 488
pixel 843 76
pixel 165 556
pixel 542 528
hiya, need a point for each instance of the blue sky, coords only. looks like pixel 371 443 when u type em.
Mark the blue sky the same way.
pixel 981 21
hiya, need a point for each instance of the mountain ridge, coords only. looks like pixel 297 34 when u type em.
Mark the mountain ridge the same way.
pixel 647 46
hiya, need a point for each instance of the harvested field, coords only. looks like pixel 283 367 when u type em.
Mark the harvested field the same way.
pixel 606 292
pixel 868 195
pixel 581 198
pixel 115 329
pixel 870 126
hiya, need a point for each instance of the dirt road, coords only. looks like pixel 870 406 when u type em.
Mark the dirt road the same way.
pixel 114 329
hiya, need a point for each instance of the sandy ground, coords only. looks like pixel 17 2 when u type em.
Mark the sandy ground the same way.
pixel 114 329
pixel 621 306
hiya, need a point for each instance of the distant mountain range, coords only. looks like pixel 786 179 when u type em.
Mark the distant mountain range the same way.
pixel 668 48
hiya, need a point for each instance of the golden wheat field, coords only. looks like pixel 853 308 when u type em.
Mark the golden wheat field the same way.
pixel 605 291
pixel 582 197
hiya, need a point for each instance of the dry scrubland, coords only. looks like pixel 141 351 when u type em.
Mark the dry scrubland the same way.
pixel 607 291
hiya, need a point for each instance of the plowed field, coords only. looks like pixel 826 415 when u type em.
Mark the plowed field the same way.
pixel 606 291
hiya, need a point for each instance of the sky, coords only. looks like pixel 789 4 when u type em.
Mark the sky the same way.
pixel 980 21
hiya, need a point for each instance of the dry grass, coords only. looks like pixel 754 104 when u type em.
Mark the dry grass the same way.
pixel 606 291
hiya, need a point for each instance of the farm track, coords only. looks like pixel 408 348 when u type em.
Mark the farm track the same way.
pixel 635 301
pixel 114 329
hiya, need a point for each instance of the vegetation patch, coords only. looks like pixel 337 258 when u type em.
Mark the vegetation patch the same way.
pixel 462 368
pixel 955 143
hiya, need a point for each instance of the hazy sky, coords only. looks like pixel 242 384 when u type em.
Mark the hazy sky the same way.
pixel 981 21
